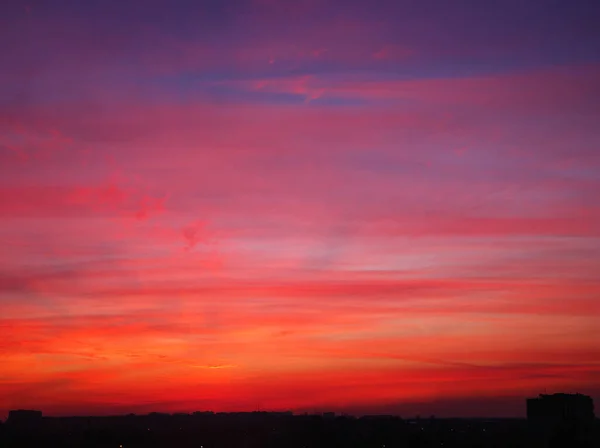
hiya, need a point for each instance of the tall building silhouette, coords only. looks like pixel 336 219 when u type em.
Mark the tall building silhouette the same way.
pixel 561 419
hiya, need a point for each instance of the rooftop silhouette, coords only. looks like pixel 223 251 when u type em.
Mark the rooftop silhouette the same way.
pixel 562 419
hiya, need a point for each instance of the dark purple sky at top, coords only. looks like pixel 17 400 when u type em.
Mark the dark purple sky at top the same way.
pixel 236 39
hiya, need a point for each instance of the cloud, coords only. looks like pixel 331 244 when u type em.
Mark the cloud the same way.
pixel 539 90
pixel 268 214
pixel 390 52
pixel 193 234
pixel 101 353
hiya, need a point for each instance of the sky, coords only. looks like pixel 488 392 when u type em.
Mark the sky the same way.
pixel 354 206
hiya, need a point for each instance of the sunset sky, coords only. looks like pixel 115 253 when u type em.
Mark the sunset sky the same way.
pixel 361 206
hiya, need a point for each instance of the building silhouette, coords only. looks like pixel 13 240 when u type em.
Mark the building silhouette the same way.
pixel 561 419
pixel 23 417
pixel 561 407
pixel 554 421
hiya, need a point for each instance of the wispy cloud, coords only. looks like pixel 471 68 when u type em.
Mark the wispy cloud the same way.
pixel 300 205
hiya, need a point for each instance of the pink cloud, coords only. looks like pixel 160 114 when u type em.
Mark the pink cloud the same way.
pixel 541 88
pixel 393 52
pixel 321 246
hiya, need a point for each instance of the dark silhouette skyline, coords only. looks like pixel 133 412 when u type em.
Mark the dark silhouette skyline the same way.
pixel 553 421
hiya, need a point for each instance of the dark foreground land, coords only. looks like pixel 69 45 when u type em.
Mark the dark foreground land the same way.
pixel 281 430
